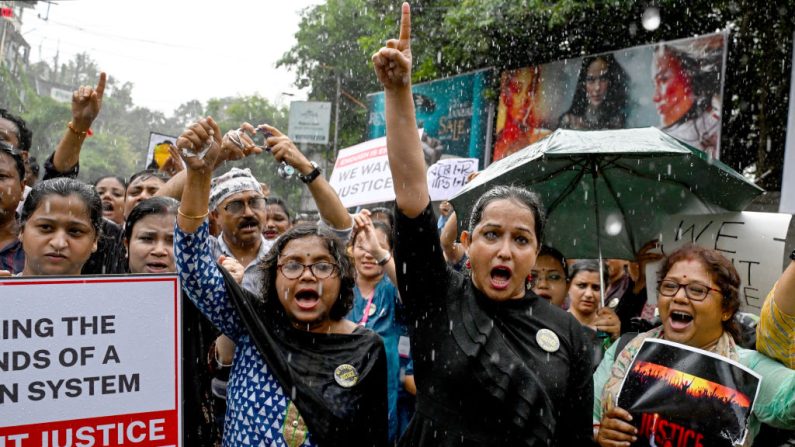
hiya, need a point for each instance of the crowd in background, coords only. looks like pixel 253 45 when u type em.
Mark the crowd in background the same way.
pixel 308 333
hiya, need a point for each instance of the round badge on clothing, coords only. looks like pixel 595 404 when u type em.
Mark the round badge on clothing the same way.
pixel 547 340
pixel 346 375
pixel 371 311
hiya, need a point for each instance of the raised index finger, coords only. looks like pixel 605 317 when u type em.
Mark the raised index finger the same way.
pixel 101 84
pixel 405 24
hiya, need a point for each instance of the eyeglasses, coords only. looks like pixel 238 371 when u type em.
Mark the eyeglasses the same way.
pixel 294 269
pixel 694 290
pixel 238 206
pixel 9 148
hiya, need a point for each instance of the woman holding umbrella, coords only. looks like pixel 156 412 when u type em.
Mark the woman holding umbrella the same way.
pixel 482 342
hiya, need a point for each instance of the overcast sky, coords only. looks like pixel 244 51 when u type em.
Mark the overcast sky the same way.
pixel 175 50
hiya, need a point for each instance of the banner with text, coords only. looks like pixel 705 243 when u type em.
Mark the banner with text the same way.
pixel 90 361
pixel 448 175
pixel 754 242
pixel 361 174
pixel 682 396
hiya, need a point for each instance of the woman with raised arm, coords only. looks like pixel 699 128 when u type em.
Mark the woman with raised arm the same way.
pixel 494 363
pixel 302 374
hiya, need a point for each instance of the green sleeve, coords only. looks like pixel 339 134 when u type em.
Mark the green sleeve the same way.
pixel 600 377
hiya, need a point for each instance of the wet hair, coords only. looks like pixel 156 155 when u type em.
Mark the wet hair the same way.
pixel 145 175
pixel 24 135
pixel 153 206
pixel 335 246
pixel 553 253
pixel 378 225
pixel 115 177
pixel 34 166
pixel 64 187
pixel 390 215
pixel 590 266
pixel 723 273
pixel 514 193
pixel 273 200
pixel 9 150
pixel 616 97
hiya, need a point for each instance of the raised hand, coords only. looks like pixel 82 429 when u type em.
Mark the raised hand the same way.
pixel 283 149
pixel 237 144
pixel 200 145
pixel 86 104
pixel 233 266
pixel 393 62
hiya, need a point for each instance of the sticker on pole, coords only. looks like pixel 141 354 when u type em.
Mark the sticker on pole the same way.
pixel 90 362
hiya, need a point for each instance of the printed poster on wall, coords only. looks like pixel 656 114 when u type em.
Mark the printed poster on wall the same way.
pixel 683 396
pixel 90 361
pixel 454 113
pixel 676 86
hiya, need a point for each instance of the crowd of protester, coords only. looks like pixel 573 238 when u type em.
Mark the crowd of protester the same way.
pixel 386 325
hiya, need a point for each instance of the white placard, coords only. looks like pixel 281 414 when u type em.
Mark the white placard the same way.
pixel 86 358
pixel 754 242
pixel 309 122
pixel 447 176
pixel 361 174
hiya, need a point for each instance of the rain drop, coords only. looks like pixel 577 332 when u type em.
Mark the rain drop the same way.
pixel 613 224
pixel 433 354
pixel 650 18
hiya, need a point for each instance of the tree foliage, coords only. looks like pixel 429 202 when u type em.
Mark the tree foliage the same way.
pixel 452 37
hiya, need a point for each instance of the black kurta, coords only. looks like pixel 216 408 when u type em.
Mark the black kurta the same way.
pixel 482 379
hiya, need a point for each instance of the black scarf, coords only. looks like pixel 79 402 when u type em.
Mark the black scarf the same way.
pixel 304 363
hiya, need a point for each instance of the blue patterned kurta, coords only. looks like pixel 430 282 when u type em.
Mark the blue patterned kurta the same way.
pixel 256 404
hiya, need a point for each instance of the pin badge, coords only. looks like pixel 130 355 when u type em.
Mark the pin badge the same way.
pixel 371 311
pixel 346 375
pixel 547 340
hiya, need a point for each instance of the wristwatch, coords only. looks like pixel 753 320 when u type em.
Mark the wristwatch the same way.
pixel 309 178
pixel 382 262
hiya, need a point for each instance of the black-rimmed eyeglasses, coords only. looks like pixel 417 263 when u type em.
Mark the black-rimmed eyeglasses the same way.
pixel 694 290
pixel 294 269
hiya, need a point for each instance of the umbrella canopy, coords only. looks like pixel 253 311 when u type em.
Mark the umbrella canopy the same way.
pixel 609 192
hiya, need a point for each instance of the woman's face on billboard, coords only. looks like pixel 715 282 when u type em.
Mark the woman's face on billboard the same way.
pixel 673 94
pixel 596 83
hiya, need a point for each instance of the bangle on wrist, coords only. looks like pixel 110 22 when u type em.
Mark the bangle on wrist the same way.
pixel 79 134
pixel 186 216
pixel 219 363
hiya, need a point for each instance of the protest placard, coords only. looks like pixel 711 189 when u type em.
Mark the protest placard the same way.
pixel 447 176
pixel 683 396
pixel 361 174
pixel 754 242
pixel 157 153
pixel 90 362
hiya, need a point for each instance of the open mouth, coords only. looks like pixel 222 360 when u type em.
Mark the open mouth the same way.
pixel 107 206
pixel 270 234
pixel 500 277
pixel 680 320
pixel 307 299
pixel 156 267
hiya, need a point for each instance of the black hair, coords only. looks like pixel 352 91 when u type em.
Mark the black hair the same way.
pixel 116 177
pixel 520 195
pixel 24 135
pixel 274 200
pixel 390 215
pixel 9 150
pixel 34 166
pixel 335 246
pixel 64 187
pixel 377 224
pixel 723 273
pixel 159 205
pixel 146 174
pixel 612 112
pixel 588 265
pixel 555 254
